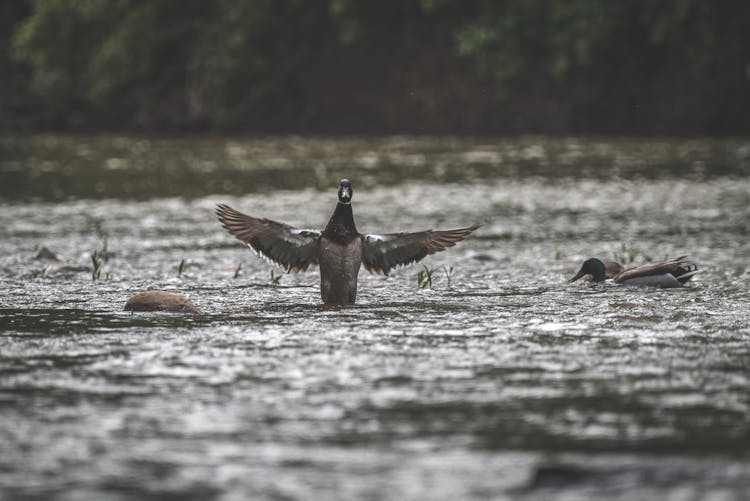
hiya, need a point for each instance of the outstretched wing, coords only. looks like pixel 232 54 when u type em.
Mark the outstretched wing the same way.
pixel 382 253
pixel 293 248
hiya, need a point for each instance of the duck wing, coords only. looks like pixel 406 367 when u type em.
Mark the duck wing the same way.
pixel 382 253
pixel 680 268
pixel 293 248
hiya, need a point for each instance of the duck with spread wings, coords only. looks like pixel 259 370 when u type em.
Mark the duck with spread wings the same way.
pixel 339 249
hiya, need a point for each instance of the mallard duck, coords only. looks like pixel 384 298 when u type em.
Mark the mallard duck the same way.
pixel 339 249
pixel 671 273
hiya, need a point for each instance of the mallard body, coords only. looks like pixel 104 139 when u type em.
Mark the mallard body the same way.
pixel 339 249
pixel 339 269
pixel 670 273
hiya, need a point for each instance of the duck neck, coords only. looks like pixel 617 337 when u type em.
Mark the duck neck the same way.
pixel 341 225
pixel 599 273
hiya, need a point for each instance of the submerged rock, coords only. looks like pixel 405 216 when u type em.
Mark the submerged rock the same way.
pixel 46 255
pixel 483 257
pixel 160 301
pixel 74 269
pixel 559 475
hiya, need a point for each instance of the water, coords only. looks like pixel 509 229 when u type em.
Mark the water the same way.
pixel 504 382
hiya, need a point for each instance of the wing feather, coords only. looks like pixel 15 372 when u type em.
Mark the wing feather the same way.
pixel 294 249
pixel 382 253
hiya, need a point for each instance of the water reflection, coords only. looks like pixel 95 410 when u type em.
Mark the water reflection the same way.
pixel 60 167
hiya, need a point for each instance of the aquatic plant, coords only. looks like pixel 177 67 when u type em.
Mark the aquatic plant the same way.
pixel 275 279
pixel 101 255
pixel 627 255
pixel 181 268
pixel 95 225
pixel 40 273
pixel 448 274
pixel 96 261
pixel 237 270
pixel 424 277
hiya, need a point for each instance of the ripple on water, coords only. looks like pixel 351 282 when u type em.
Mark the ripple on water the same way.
pixel 507 381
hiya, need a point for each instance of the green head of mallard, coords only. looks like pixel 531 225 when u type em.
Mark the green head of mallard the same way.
pixel 593 267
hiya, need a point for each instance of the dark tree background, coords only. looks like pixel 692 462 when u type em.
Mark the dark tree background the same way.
pixel 376 66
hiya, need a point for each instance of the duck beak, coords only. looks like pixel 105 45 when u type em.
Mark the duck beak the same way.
pixel 577 276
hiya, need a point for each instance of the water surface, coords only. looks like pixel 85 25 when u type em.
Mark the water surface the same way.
pixel 501 381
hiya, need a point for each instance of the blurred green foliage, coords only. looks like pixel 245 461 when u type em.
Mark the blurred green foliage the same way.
pixel 376 66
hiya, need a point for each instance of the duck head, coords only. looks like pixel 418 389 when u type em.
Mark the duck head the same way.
pixel 593 267
pixel 345 191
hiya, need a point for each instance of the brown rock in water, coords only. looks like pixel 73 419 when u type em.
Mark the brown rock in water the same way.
pixel 160 301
